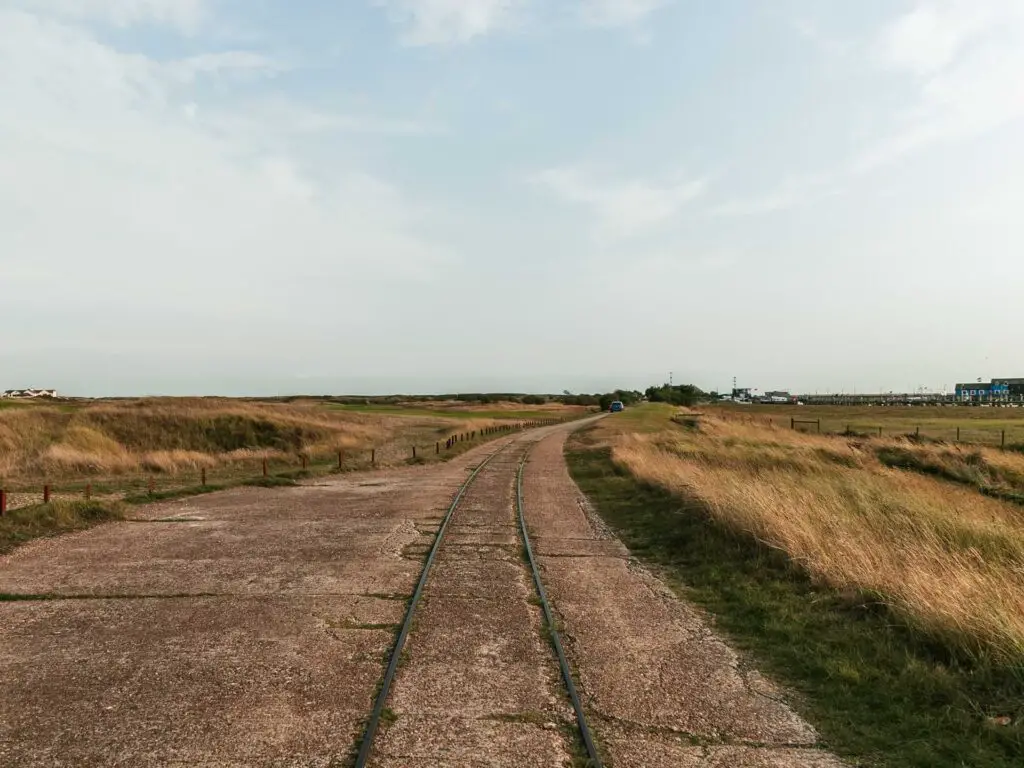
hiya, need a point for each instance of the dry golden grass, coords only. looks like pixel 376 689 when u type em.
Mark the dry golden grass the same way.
pixel 169 436
pixel 947 558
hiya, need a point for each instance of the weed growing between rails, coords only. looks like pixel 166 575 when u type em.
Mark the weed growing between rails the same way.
pixel 885 678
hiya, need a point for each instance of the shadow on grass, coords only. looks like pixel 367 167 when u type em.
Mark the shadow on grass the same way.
pixel 878 693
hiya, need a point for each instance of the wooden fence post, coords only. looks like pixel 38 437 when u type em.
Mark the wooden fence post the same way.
pixel 1003 443
pixel 958 434
pixel 3 502
pixel 46 494
pixel 879 431
pixel 202 478
pixel 88 492
pixel 437 448
pixel 341 457
pixel 264 466
pixel 305 461
pixel 819 426
pixel 151 486
pixel 792 422
pixel 414 451
pixel 373 457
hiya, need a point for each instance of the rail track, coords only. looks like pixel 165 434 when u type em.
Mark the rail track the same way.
pixel 373 724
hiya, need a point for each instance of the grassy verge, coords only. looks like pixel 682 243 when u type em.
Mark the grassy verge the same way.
pixel 22 525
pixel 879 693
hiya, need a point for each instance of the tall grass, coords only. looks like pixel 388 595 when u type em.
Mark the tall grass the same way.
pixel 948 560
pixel 183 435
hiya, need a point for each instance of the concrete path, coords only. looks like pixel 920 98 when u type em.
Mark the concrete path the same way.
pixel 661 690
pixel 251 628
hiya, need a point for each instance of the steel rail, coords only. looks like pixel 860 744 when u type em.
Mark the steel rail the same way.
pixel 556 641
pixel 389 676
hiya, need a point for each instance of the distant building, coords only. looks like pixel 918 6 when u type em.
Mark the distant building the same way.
pixel 28 394
pixel 997 390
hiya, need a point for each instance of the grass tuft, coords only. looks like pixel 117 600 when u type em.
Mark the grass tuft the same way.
pixel 28 523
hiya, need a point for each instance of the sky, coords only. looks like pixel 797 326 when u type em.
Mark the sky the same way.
pixel 373 196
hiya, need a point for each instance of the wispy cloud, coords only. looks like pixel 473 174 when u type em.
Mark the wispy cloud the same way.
pixel 965 61
pixel 224 63
pixel 451 22
pixel 622 208
pixel 790 193
pixel 618 13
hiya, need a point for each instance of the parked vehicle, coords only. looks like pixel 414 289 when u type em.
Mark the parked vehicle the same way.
pixel 617 406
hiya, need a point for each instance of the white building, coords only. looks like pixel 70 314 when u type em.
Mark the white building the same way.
pixel 28 394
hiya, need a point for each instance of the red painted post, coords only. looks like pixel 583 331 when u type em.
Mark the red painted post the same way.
pixel 46 494
pixel 3 502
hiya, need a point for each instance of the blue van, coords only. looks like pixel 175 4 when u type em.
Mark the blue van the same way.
pixel 617 406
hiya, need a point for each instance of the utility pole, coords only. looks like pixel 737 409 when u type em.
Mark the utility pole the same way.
pixel 670 382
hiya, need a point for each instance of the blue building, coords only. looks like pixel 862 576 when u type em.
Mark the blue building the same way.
pixel 997 390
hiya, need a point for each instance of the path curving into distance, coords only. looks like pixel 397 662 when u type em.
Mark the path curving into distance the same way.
pixel 257 627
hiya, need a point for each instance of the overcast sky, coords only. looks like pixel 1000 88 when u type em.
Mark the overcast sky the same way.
pixel 259 196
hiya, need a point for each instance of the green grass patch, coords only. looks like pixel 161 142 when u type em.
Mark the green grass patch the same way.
pixel 879 693
pixel 23 525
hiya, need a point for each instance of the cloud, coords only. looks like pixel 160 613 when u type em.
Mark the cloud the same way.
pixel 283 117
pixel 117 199
pixel 183 14
pixel 622 208
pixel 791 193
pixel 451 22
pixel 618 13
pixel 224 63
pixel 963 60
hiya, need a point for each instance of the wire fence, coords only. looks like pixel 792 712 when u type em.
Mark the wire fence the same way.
pixel 1007 437
pixel 270 469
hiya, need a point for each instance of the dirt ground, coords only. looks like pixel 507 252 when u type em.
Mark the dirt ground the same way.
pixel 252 627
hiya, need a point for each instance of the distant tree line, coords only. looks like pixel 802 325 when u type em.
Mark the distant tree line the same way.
pixel 680 394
